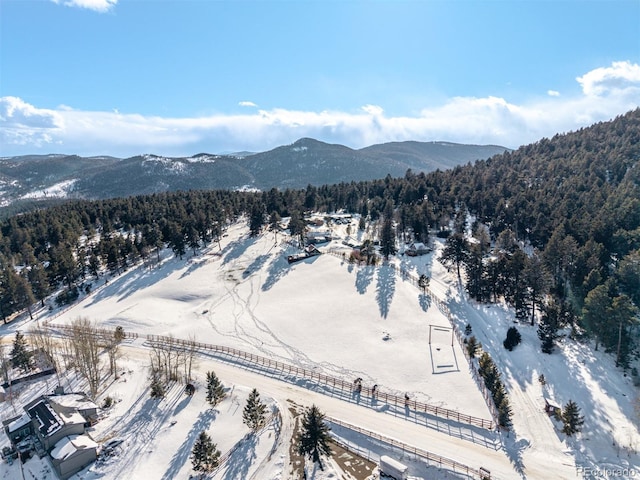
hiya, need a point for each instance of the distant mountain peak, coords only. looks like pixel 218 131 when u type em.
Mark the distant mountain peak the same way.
pixel 306 161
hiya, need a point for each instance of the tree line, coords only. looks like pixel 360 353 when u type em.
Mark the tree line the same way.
pixel 553 228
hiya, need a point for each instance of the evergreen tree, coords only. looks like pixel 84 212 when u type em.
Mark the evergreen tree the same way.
pixel 254 413
pixel 256 219
pixel 314 438
pixel 215 389
pixel 596 308
pixel 537 281
pixel 488 371
pixel 297 226
pixel 505 413
pixel 205 455
pixel 423 283
pixel 513 338
pixel 546 334
pixel 157 389
pixel 473 346
pixel 468 329
pixel 553 314
pixel 387 233
pixel 571 418
pixel 274 224
pixel 623 314
pixel 21 356
pixel 39 282
pixel 455 251
pixel 475 271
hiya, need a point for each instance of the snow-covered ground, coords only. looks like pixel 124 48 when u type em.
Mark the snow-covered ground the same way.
pixel 347 321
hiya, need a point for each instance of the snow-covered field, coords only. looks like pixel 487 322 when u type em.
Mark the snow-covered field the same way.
pixel 348 322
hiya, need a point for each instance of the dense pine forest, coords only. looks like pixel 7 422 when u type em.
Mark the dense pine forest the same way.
pixel 552 228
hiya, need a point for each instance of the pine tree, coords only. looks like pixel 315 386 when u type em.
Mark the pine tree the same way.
pixel 256 219
pixel 473 346
pixel 468 329
pixel 513 338
pixel 504 413
pixel 548 326
pixel 546 334
pixel 423 283
pixel 314 438
pixel 215 389
pixel 571 418
pixel 157 390
pixel 455 251
pixel 21 356
pixel 253 415
pixel 205 455
pixel 387 233
pixel 488 371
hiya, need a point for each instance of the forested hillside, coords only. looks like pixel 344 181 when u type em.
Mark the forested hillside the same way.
pixel 554 231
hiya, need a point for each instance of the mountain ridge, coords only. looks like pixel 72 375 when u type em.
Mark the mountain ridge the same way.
pixel 37 179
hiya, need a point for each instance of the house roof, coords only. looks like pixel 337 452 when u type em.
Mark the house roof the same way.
pixel 72 418
pixel 73 400
pixel 47 419
pixel 70 445
pixel 25 419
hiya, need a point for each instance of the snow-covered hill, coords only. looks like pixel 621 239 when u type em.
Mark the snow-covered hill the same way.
pixel 347 321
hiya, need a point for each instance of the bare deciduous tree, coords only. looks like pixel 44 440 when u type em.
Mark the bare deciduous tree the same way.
pixel 42 340
pixel 86 343
pixel 111 341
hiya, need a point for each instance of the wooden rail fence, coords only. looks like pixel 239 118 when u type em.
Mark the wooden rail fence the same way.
pixel 261 362
pixel 429 457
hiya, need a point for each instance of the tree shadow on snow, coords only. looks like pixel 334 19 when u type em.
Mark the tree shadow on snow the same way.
pixel 256 265
pixel 185 401
pixel 424 301
pixel 278 268
pixel 514 448
pixel 182 455
pixel 123 285
pixel 241 458
pixel 235 249
pixel 385 289
pixel 364 277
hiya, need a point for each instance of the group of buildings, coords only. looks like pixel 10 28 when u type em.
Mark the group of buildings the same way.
pixel 56 426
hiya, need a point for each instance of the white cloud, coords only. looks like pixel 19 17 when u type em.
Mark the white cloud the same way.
pixel 101 6
pixel 373 109
pixel 553 93
pixel 24 128
pixel 619 77
pixel 22 124
pixel 247 104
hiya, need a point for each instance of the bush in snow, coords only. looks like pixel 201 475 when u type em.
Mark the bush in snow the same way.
pixel 157 389
pixel 513 338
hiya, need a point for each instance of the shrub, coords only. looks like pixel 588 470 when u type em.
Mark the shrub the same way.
pixel 67 296
pixel 513 338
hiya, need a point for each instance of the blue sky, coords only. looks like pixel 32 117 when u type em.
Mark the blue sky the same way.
pixel 124 77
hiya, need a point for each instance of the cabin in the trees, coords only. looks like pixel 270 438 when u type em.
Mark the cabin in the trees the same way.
pixel 309 251
pixel 417 248
pixel 317 237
